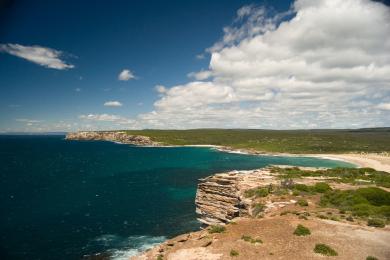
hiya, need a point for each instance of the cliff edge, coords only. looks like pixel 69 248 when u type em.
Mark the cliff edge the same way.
pixel 114 136
pixel 286 213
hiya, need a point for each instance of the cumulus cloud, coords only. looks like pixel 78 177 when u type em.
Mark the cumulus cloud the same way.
pixel 113 104
pixel 384 106
pixel 160 89
pixel 201 75
pixel 322 64
pixel 126 75
pixel 43 56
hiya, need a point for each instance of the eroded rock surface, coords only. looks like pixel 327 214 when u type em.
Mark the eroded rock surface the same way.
pixel 120 137
pixel 220 197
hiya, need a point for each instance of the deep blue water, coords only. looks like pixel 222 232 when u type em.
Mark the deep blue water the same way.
pixel 64 199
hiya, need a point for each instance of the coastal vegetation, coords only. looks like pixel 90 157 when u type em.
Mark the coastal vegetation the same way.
pixel 354 176
pixel 288 141
pixel 234 252
pixel 324 250
pixel 302 231
pixel 247 238
pixel 216 229
pixel 371 202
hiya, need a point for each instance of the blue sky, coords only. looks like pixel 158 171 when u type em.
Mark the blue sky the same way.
pixel 161 43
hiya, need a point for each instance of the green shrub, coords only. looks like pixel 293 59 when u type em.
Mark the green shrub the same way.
pixel 350 219
pixel 160 257
pixel 376 222
pixel 371 258
pixel 258 192
pixel 375 196
pixel 363 202
pixel 216 229
pixel 303 203
pixel 321 187
pixel 249 193
pixel 261 192
pixel 257 208
pixel 301 231
pixel 322 216
pixel 280 192
pixel 302 187
pixel 251 240
pixel 233 253
pixel 324 250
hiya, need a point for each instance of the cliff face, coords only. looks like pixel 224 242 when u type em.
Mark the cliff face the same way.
pixel 120 137
pixel 220 197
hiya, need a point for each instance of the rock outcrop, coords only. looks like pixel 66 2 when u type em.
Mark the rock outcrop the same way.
pixel 114 136
pixel 220 197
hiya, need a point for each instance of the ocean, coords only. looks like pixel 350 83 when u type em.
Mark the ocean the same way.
pixel 65 199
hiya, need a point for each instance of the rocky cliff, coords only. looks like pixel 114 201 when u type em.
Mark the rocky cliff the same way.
pixel 120 137
pixel 220 197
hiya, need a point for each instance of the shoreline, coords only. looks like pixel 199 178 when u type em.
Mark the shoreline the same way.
pixel 378 161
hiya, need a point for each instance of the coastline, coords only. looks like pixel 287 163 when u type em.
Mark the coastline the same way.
pixel 377 161
pixel 236 223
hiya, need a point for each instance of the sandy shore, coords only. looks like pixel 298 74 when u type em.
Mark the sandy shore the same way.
pixel 377 161
pixel 380 162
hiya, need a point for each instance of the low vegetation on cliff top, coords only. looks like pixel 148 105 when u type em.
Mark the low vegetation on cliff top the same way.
pixel 302 231
pixel 289 141
pixel 324 250
pixel 216 229
pixel 346 175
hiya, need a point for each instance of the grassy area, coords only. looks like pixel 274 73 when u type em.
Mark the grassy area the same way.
pixel 216 229
pixel 251 240
pixel 289 141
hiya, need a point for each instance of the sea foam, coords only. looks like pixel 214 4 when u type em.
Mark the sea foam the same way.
pixel 122 248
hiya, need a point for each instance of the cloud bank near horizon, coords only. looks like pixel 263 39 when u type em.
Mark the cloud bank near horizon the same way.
pixel 327 66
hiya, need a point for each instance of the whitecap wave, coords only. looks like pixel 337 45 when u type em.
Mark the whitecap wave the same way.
pixel 122 248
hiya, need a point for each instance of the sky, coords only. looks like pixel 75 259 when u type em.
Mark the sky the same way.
pixel 81 65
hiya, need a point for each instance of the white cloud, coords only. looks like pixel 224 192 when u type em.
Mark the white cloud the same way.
pixel 384 106
pixel 43 56
pixel 126 75
pixel 201 75
pixel 77 89
pixel 160 89
pixel 113 104
pixel 200 56
pixel 107 118
pixel 328 65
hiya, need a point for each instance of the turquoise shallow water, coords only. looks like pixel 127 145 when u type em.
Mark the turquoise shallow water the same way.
pixel 64 199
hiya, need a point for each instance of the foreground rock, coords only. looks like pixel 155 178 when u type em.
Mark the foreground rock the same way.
pixel 278 241
pixel 114 136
